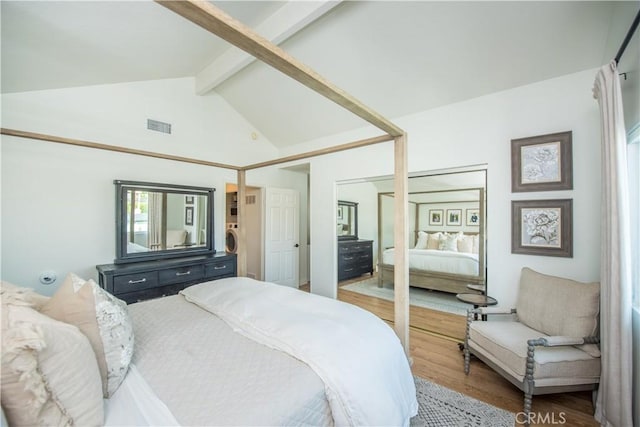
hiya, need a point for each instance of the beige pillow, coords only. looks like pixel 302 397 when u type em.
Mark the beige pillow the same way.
pixel 558 306
pixel 176 238
pixel 105 321
pixel 433 241
pixel 476 244
pixel 49 371
pixel 465 244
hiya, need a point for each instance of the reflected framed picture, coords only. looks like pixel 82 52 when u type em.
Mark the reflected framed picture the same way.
pixel 542 163
pixel 473 217
pixel 435 217
pixel 188 200
pixel 454 216
pixel 542 227
pixel 188 215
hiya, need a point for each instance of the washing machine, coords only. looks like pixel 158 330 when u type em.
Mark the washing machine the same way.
pixel 231 238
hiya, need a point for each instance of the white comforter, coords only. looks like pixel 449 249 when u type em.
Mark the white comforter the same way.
pixel 365 371
pixel 436 260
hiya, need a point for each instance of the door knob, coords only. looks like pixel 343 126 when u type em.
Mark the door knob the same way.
pixel 296 245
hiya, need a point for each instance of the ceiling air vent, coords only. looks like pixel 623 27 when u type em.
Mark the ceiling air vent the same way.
pixel 251 199
pixel 158 126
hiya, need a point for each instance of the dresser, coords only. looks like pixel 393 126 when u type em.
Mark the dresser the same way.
pixel 151 279
pixel 355 258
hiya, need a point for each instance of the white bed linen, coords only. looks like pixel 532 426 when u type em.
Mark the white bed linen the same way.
pixel 437 260
pixel 135 404
pixel 365 371
pixel 209 375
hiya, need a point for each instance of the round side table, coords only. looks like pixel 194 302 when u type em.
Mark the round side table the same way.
pixel 477 301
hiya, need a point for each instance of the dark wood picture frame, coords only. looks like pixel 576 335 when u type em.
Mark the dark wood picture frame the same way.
pixel 436 217
pixel 542 163
pixel 542 227
pixel 188 200
pixel 473 217
pixel 454 217
pixel 188 215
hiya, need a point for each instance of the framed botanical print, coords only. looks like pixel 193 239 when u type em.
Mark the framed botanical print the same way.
pixel 542 227
pixel 542 163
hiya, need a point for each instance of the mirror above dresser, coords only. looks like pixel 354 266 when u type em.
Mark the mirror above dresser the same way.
pixel 156 221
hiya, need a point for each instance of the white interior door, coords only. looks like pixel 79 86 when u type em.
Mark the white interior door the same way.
pixel 282 246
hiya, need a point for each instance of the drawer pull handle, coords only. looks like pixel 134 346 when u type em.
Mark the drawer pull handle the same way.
pixel 133 282
pixel 348 258
pixel 219 267
pixel 183 274
pixel 348 269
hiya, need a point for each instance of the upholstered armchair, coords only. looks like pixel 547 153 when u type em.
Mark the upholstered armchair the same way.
pixel 548 343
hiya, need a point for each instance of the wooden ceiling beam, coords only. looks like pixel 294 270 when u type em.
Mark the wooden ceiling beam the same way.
pixel 214 20
pixel 282 24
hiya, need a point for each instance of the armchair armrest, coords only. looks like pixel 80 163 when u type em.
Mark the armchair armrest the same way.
pixel 556 341
pixel 494 310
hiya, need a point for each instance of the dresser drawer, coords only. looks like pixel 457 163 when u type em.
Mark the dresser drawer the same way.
pixel 181 274
pixel 216 269
pixel 135 282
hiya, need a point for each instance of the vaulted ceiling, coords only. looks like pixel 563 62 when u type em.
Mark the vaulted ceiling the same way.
pixel 398 57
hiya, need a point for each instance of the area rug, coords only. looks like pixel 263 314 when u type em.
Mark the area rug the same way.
pixel 440 406
pixel 434 300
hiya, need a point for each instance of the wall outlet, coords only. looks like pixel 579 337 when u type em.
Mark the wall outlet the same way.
pixel 48 277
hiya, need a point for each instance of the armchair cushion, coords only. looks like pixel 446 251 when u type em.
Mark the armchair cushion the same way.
pixel 558 306
pixel 505 343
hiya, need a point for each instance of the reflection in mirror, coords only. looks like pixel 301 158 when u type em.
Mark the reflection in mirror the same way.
pixel 446 240
pixel 162 220
pixel 347 220
pixel 445 208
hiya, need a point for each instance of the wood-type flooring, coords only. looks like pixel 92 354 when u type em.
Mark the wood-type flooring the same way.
pixel 436 357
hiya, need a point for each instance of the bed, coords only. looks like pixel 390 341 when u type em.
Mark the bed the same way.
pixel 447 267
pixel 234 351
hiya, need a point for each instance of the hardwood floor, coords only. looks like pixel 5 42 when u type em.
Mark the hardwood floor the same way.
pixel 437 358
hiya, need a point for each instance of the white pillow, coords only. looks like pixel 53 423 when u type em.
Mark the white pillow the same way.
pixel 422 240
pixel 103 318
pixel 449 242
pixel 49 371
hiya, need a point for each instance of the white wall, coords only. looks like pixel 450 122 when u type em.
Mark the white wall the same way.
pixel 58 201
pixel 473 132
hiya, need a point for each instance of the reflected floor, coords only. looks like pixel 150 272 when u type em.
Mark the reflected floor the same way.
pixel 434 300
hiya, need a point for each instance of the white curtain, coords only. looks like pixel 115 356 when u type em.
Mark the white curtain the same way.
pixel 155 209
pixel 614 404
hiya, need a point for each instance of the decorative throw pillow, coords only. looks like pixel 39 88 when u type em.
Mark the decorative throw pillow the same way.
pixel 29 296
pixel 422 240
pixel 476 244
pixel 49 371
pixel 105 321
pixel 465 244
pixel 449 242
pixel 433 242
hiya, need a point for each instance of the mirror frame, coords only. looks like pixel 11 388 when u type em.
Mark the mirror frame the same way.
pixel 122 256
pixel 354 205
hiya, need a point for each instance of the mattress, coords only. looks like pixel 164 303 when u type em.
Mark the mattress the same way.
pixel 436 260
pixel 207 374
